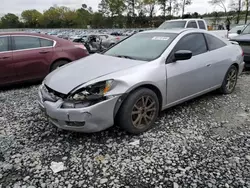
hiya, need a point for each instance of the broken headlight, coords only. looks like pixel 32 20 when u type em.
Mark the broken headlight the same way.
pixel 93 92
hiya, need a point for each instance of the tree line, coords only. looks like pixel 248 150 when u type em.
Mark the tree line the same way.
pixel 121 14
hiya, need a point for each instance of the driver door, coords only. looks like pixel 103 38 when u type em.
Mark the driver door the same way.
pixel 188 78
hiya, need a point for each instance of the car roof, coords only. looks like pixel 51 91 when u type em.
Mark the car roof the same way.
pixel 188 19
pixel 174 30
pixel 29 34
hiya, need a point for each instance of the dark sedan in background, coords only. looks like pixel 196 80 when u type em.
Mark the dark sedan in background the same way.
pixel 31 56
pixel 244 41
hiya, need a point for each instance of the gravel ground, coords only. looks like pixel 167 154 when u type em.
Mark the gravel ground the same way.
pixel 202 143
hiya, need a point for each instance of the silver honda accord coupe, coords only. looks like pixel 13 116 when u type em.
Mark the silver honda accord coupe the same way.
pixel 130 83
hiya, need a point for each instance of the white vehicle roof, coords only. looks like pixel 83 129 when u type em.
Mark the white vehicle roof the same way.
pixel 188 19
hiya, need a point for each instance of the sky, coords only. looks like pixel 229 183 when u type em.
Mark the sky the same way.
pixel 17 6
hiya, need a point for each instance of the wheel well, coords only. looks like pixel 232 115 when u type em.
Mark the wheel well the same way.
pixel 61 59
pixel 157 92
pixel 148 86
pixel 236 65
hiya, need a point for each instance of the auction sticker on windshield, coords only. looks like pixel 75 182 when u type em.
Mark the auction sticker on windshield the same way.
pixel 160 38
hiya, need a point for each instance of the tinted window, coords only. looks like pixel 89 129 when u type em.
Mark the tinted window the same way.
pixel 192 24
pixel 143 46
pixel 25 42
pixel 45 42
pixel 173 24
pixel 3 44
pixel 194 43
pixel 202 25
pixel 214 42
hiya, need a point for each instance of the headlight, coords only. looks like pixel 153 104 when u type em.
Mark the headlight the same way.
pixel 93 92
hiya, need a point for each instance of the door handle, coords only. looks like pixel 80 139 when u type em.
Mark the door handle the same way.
pixel 4 57
pixel 208 65
pixel 44 52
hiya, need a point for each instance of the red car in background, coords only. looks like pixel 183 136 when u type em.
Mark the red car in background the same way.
pixel 31 56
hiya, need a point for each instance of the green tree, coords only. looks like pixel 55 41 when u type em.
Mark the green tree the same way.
pixel 56 17
pixel 98 21
pixel 51 18
pixel 10 21
pixel 112 7
pixel 31 18
pixel 83 18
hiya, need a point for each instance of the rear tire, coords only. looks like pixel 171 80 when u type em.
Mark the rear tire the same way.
pixel 230 80
pixel 139 111
pixel 58 64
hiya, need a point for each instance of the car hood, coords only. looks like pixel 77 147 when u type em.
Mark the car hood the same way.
pixel 72 75
pixel 242 38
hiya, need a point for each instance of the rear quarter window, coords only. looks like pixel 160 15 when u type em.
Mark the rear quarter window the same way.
pixel 202 25
pixel 192 24
pixel 46 43
pixel 214 42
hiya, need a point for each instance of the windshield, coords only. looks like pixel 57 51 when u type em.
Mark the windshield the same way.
pixel 173 24
pixel 142 46
pixel 235 29
pixel 246 30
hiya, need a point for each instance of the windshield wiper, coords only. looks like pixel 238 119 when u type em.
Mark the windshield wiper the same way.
pixel 124 56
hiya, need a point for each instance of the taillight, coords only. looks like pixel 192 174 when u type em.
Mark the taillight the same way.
pixel 81 46
pixel 117 38
pixel 242 53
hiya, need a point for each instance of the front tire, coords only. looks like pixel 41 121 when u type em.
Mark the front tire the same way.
pixel 139 111
pixel 230 80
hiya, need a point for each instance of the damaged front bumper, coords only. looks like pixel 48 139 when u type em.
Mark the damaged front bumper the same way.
pixel 89 119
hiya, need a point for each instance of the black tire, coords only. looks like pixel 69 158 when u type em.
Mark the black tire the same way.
pixel 230 80
pixel 58 64
pixel 124 118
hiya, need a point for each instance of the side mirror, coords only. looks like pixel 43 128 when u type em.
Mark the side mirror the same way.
pixel 239 32
pixel 182 55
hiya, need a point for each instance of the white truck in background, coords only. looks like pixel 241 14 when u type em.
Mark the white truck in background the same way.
pixel 191 23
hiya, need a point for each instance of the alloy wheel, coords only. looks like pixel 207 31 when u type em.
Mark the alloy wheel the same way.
pixel 231 80
pixel 143 112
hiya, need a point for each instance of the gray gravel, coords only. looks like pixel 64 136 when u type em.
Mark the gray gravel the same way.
pixel 202 143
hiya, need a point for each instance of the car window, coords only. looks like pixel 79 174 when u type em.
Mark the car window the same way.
pixel 4 44
pixel 192 24
pixel 193 42
pixel 143 46
pixel 202 25
pixel 26 42
pixel 172 24
pixel 46 43
pixel 214 42
pixel 246 30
